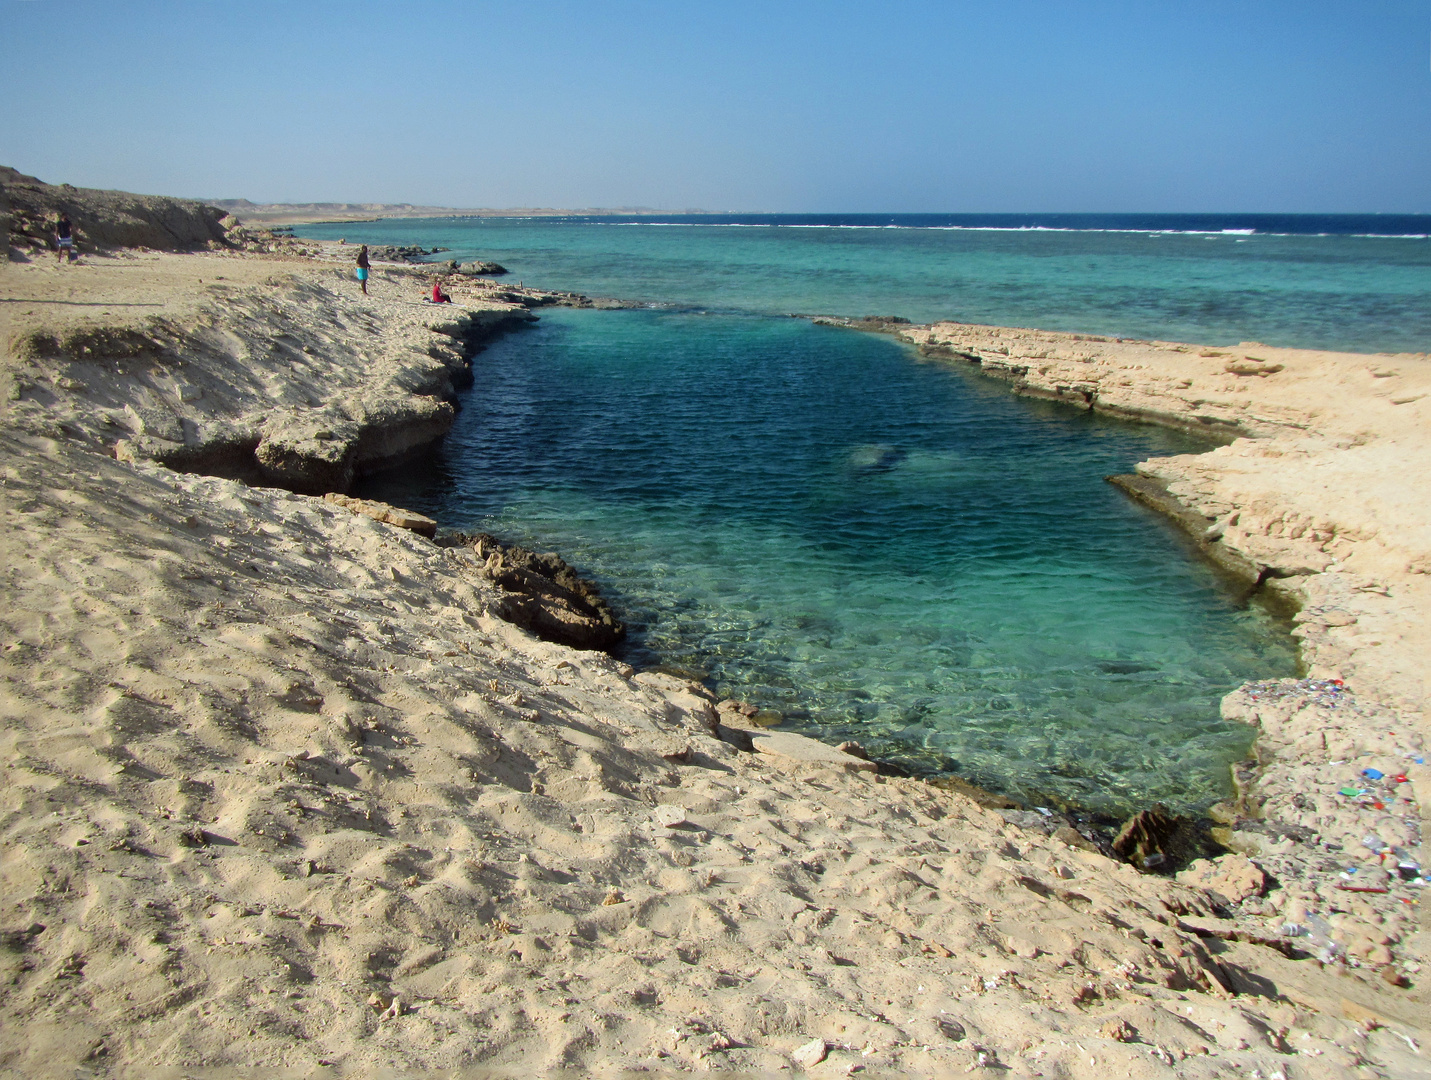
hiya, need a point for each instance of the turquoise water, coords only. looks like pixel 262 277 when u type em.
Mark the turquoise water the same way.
pixel 1352 292
pixel 882 547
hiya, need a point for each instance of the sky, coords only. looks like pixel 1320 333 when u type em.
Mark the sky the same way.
pixel 1002 106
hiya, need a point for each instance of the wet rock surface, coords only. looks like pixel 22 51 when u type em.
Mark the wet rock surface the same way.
pixel 543 594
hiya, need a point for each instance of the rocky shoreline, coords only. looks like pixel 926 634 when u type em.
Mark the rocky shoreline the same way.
pixel 284 791
pixel 1311 811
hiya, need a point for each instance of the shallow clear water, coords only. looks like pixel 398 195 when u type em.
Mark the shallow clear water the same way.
pixel 882 547
pixel 1148 279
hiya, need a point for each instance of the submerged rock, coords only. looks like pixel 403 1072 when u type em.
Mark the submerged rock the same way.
pixel 875 458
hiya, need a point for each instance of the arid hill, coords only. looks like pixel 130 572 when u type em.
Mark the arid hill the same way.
pixel 106 219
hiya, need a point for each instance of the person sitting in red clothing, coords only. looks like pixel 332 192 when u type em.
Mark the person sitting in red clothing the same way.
pixel 438 296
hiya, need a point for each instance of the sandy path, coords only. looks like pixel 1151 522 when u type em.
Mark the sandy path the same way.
pixel 281 791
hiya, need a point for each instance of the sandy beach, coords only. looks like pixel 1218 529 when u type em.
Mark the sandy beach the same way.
pixel 286 794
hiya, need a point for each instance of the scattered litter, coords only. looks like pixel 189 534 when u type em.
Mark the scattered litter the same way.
pixel 1330 693
pixel 1373 881
pixel 1044 810
pixel 1373 842
pixel 1373 774
pixel 1351 792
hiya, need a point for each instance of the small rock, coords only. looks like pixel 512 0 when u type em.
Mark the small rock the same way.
pixel 812 1053
pixel 1379 955
pixel 1234 877
pixel 938 1028
pixel 1073 838
pixel 379 511
pixel 950 1029
pixel 1022 948
pixel 1118 1029
pixel 1389 974
pixel 670 816
pixel 1145 834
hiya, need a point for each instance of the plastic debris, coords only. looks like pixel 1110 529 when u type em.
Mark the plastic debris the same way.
pixel 1373 774
pixel 1363 886
pixel 1319 931
pixel 1327 692
pixel 1373 842
pixel 1349 791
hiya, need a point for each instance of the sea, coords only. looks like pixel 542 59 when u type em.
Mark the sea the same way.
pixel 877 546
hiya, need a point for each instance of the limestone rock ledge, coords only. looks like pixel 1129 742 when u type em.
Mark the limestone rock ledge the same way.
pixel 1318 495
pixel 298 382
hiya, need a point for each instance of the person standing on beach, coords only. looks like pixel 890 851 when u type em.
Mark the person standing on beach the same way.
pixel 64 239
pixel 363 267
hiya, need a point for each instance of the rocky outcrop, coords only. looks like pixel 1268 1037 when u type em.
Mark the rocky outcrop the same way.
pixel 480 268
pixel 193 407
pixel 401 252
pixel 385 512
pixel 309 455
pixel 543 594
pixel 1232 877
pixel 108 219
pixel 1144 838
pixel 1202 531
pixel 412 253
pixel 314 453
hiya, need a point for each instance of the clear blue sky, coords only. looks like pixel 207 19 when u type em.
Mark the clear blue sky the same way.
pixel 995 105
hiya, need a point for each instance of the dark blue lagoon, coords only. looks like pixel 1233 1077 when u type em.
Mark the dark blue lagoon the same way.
pixel 879 546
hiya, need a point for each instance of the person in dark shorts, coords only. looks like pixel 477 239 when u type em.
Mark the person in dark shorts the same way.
pixel 438 296
pixel 363 267
pixel 64 239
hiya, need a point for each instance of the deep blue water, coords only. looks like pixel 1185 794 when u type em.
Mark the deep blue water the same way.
pixel 879 546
